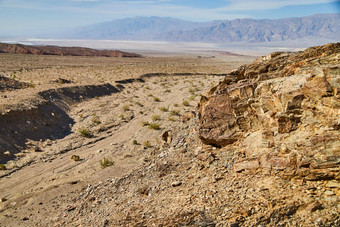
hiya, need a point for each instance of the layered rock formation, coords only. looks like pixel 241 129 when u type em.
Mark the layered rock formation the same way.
pixel 64 51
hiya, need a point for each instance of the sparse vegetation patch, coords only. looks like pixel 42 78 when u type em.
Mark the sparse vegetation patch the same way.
pixel 154 126
pixel 84 132
pixel 106 163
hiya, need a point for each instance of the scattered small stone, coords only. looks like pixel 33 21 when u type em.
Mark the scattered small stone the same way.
pixel 37 149
pixel 176 183
pixel 3 200
pixel 235 224
pixel 99 151
pixel 25 219
pixel 70 207
pixel 333 184
pixel 7 153
pixel 329 193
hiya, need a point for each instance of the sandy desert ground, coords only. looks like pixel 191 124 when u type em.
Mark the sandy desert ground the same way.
pixel 125 127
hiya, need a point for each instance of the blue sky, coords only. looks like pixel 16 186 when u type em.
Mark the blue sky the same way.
pixel 29 17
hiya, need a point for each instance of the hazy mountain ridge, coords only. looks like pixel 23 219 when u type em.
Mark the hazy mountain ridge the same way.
pixel 139 28
pixel 249 30
pixel 239 30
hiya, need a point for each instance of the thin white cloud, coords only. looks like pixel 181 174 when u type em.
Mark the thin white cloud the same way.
pixel 247 5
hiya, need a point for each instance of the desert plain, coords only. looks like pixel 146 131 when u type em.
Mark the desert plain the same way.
pixel 68 135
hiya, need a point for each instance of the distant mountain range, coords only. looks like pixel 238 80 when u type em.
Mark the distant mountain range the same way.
pixel 325 26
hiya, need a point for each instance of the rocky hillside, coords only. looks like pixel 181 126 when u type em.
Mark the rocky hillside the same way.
pixel 64 51
pixel 263 150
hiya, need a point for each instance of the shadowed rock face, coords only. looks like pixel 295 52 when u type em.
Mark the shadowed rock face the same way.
pixel 283 111
pixel 64 51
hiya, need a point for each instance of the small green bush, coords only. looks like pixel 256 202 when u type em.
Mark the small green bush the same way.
pixel 156 118
pixel 147 144
pixel 126 107
pixel 75 158
pixel 145 123
pixel 156 99
pixel 164 109
pixel 174 113
pixel 95 120
pixel 171 119
pixel 2 167
pixel 186 103
pixel 154 126
pixel 84 132
pixel 134 142
pixel 106 163
pixel 139 104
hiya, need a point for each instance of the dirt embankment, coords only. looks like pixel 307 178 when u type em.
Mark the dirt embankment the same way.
pixel 44 117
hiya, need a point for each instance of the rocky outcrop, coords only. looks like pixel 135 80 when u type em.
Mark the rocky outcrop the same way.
pixel 283 94
pixel 281 115
pixel 64 51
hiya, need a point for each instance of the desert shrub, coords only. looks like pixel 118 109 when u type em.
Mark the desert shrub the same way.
pixel 191 90
pixel 145 123
pixel 192 98
pixel 168 90
pixel 171 119
pixel 139 104
pixel 2 167
pixel 106 163
pixel 134 142
pixel 84 132
pixel 75 158
pixel 95 120
pixel 174 113
pixel 164 109
pixel 176 105
pixel 156 118
pixel 147 144
pixel 126 107
pixel 186 103
pixel 154 126
pixel 156 99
